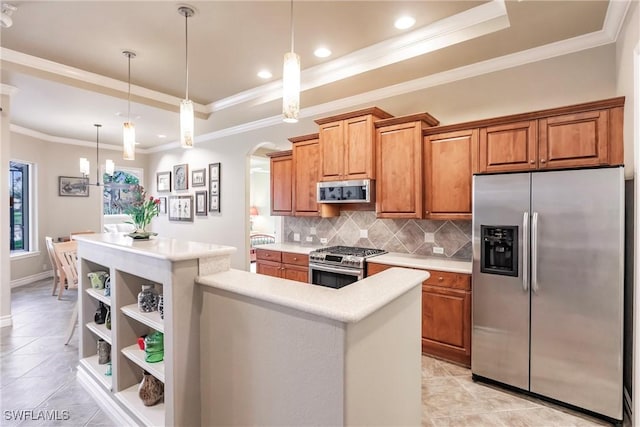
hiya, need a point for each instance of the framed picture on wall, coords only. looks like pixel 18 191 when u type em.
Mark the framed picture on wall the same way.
pixel 181 208
pixel 198 178
pixel 201 203
pixel 181 177
pixel 214 204
pixel 73 186
pixel 214 171
pixel 214 187
pixel 163 205
pixel 163 181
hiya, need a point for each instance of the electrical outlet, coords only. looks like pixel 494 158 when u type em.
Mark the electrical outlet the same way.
pixel 296 237
pixel 438 250
pixel 324 240
pixel 312 231
pixel 309 239
pixel 429 237
pixel 364 234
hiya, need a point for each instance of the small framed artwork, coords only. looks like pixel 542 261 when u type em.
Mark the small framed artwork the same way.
pixel 73 186
pixel 163 205
pixel 181 177
pixel 214 171
pixel 163 181
pixel 214 203
pixel 181 208
pixel 214 188
pixel 198 178
pixel 201 203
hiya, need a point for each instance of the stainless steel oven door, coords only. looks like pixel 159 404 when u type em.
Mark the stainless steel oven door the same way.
pixel 333 276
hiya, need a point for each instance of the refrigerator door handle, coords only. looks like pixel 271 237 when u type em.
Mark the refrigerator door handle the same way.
pixel 525 251
pixel 534 253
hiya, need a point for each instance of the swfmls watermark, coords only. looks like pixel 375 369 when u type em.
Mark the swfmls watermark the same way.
pixel 37 415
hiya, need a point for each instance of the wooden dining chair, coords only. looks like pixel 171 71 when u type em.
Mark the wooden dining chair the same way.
pixel 58 274
pixel 66 254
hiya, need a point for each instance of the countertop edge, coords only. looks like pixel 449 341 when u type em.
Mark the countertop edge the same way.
pixel 334 304
pixel 451 266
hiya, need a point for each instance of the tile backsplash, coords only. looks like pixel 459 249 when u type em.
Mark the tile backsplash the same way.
pixel 415 236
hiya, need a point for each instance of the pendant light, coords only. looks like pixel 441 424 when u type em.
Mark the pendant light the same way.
pixel 291 82
pixel 186 106
pixel 129 129
pixel 85 166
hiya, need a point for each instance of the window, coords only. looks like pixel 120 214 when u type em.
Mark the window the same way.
pixel 117 190
pixel 19 206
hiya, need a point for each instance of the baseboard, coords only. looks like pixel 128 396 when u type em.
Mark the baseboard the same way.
pixel 6 321
pixel 104 400
pixel 628 403
pixel 31 279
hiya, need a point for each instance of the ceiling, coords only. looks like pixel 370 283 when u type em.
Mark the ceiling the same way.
pixel 65 58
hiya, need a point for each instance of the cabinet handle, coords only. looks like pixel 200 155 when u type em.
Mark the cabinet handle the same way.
pixel 295 258
pixel 440 279
pixel 532 161
pixel 542 160
pixel 426 212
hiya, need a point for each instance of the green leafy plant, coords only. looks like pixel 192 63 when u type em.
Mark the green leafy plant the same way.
pixel 142 209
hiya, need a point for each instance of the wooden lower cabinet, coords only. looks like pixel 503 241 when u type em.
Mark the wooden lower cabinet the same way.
pixel 446 314
pixel 284 265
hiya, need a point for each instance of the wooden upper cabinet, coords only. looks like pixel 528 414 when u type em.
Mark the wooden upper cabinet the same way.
pixel 509 147
pixel 347 145
pixel 574 140
pixel 583 135
pixel 306 173
pixel 450 161
pixel 281 183
pixel 399 183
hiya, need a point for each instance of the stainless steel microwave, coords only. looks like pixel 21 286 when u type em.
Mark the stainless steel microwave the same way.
pixel 357 191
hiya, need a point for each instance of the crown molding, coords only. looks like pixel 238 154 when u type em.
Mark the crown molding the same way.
pixel 44 65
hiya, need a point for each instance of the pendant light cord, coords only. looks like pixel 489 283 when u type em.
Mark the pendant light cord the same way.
pixel 129 93
pixel 291 14
pixel 186 53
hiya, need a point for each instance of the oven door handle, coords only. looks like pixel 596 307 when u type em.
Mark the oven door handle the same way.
pixel 334 269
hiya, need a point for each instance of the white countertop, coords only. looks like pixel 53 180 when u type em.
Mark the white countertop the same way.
pixel 399 259
pixel 349 304
pixel 156 247
pixel 288 247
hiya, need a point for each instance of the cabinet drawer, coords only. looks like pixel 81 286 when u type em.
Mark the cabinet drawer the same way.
pixel 295 259
pixel 449 280
pixel 269 255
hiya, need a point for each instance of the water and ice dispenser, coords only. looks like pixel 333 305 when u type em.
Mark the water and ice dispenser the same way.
pixel 499 250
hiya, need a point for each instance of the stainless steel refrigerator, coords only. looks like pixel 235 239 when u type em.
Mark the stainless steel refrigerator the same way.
pixel 548 284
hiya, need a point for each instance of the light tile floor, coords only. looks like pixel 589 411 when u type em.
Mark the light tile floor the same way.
pixel 38 372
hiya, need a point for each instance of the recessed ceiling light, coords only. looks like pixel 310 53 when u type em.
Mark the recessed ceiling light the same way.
pixel 161 136
pixel 265 74
pixel 404 22
pixel 322 52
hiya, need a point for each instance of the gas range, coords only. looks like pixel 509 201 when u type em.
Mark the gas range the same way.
pixel 345 256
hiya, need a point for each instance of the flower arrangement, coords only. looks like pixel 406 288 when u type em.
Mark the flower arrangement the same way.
pixel 142 210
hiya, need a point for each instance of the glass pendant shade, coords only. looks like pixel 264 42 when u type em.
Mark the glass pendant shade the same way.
pixel 291 87
pixel 84 166
pixel 129 141
pixel 186 123
pixel 110 167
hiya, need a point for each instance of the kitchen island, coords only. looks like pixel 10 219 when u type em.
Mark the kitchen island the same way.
pixel 280 352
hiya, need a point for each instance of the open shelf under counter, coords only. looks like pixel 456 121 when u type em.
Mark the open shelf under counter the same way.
pixel 100 330
pixel 137 356
pixel 149 415
pixel 152 319
pixel 97 370
pixel 99 295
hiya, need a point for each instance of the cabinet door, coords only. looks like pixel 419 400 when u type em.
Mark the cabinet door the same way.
pixel 448 174
pixel 374 268
pixel 269 268
pixel 574 140
pixel 358 143
pixel 295 272
pixel 446 323
pixel 306 174
pixel 510 147
pixel 331 150
pixel 281 185
pixel 399 171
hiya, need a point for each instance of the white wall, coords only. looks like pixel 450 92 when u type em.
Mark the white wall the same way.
pixel 59 216
pixel 5 267
pixel 260 197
